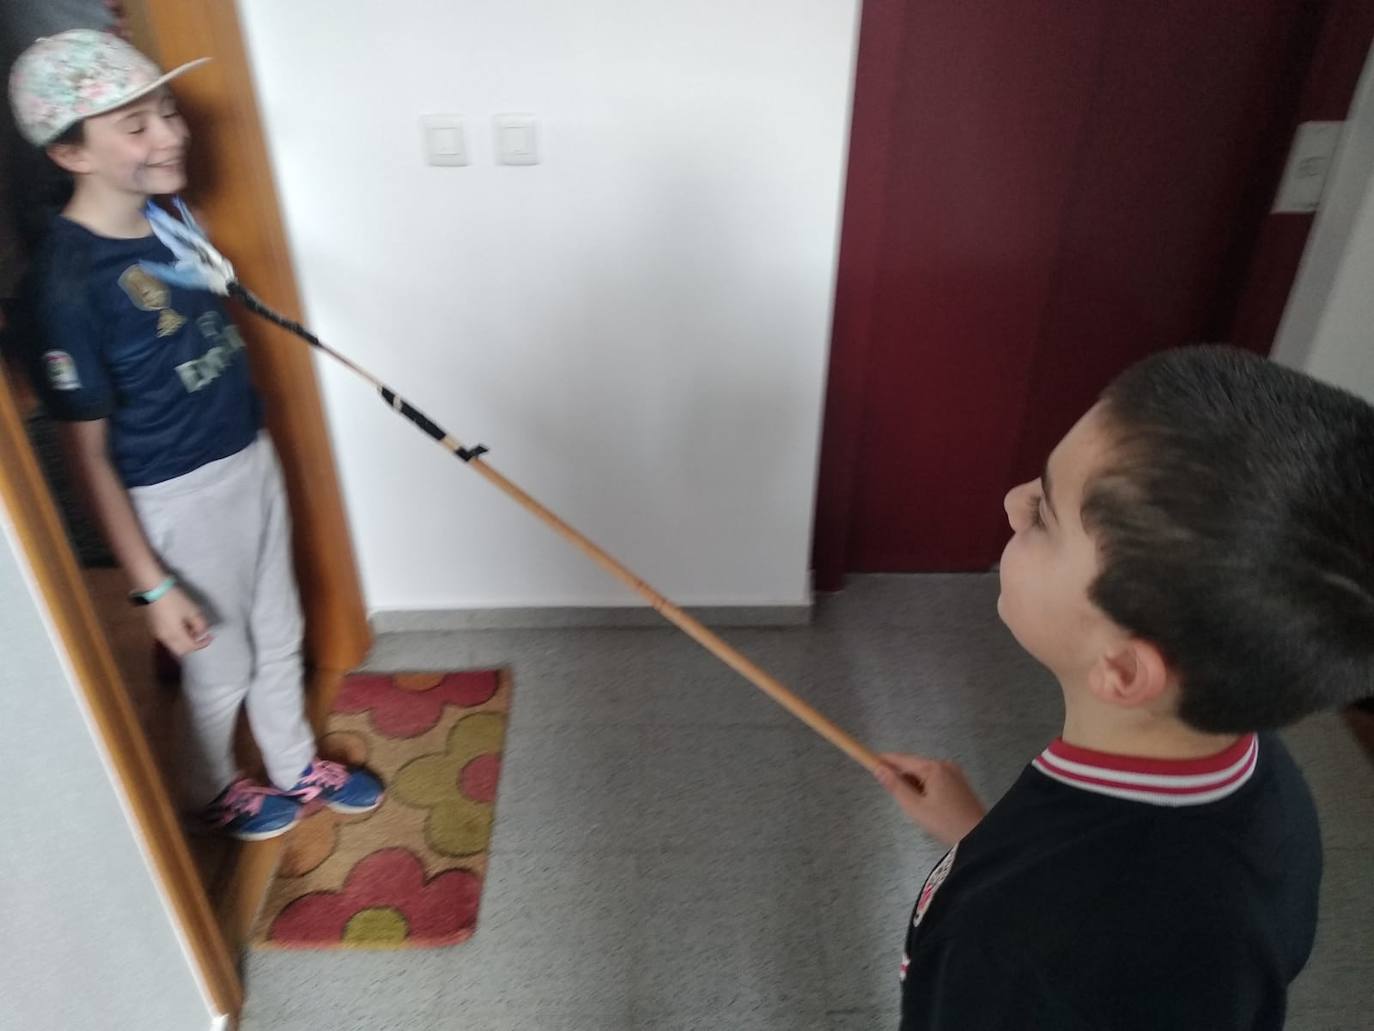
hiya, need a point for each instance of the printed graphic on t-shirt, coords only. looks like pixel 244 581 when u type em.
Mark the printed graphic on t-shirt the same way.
pixel 201 372
pixel 168 322
pixel 148 294
pixel 928 890
pixel 61 371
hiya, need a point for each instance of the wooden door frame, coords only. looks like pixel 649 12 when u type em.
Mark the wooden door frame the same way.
pixel 1262 265
pixel 239 201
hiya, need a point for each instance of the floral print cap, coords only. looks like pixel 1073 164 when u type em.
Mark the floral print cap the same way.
pixel 61 80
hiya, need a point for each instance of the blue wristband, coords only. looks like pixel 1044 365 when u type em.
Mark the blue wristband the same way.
pixel 149 596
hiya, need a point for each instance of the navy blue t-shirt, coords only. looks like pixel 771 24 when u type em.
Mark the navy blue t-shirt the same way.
pixel 106 340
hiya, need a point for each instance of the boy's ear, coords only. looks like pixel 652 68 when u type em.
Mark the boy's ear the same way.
pixel 1133 674
pixel 70 158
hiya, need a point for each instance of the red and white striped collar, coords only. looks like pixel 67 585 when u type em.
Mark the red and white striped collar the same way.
pixel 1171 782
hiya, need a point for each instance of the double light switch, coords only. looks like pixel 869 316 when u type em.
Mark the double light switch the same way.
pixel 515 137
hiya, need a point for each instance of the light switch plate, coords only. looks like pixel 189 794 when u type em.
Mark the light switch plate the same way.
pixel 443 140
pixel 517 141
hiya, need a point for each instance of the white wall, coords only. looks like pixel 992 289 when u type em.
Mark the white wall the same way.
pixel 88 939
pixel 1328 326
pixel 638 326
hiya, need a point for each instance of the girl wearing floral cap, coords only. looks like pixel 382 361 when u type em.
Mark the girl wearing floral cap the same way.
pixel 151 384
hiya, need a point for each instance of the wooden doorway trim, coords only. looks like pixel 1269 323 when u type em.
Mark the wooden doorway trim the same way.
pixel 29 505
pixel 232 185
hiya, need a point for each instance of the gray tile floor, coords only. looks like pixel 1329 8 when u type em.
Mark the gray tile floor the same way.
pixel 674 852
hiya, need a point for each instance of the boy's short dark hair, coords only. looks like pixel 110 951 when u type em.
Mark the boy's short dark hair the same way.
pixel 1235 527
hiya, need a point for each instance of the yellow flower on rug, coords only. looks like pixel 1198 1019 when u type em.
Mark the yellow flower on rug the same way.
pixel 457 785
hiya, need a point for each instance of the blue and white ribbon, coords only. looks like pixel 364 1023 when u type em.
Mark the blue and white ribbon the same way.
pixel 198 265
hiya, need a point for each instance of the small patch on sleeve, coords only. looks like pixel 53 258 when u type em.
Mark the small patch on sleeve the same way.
pixel 61 371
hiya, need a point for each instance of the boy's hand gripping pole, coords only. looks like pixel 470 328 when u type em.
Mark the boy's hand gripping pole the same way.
pixel 199 266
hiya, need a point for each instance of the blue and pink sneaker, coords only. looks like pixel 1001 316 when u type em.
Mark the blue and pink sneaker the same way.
pixel 251 812
pixel 345 789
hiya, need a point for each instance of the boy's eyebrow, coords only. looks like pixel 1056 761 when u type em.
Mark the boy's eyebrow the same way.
pixel 1045 490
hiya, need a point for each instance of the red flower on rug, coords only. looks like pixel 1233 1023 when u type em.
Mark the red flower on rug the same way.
pixel 407 705
pixel 386 901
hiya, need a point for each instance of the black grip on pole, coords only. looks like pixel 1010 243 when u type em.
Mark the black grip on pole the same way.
pixel 419 418
pixel 428 425
pixel 414 414
pixel 250 301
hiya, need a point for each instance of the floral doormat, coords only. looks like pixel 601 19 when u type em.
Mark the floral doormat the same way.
pixel 407 875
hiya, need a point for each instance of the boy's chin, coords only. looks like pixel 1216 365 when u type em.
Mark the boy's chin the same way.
pixel 1007 615
pixel 1002 610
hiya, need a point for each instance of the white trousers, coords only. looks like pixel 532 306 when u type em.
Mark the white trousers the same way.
pixel 224 531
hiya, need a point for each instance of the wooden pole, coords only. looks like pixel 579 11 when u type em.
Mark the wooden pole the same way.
pixel 685 622
pixel 689 625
